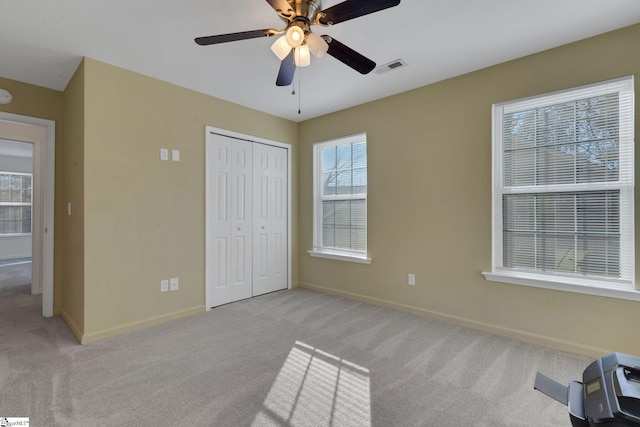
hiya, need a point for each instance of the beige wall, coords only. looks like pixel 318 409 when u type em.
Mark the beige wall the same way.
pixel 137 220
pixel 429 202
pixel 144 219
pixel 72 307
pixel 35 101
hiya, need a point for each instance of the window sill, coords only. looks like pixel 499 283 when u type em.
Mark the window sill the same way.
pixel 594 288
pixel 362 259
pixel 16 235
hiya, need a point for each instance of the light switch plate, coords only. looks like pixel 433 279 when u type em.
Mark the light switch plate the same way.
pixel 164 285
pixel 164 154
pixel 173 284
pixel 175 155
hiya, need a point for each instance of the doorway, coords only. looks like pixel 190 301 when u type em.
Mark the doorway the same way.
pixel 248 216
pixel 40 134
pixel 16 176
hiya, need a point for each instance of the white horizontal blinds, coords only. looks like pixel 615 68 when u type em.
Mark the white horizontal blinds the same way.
pixel 575 233
pixel 566 183
pixel 568 143
pixel 344 225
pixel 343 194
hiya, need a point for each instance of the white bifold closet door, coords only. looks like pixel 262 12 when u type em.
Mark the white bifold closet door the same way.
pixel 247 219
pixel 269 219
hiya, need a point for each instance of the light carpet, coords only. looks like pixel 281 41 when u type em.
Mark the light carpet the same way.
pixel 15 276
pixel 290 358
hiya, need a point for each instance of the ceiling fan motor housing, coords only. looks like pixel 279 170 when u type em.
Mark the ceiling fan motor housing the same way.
pixel 306 9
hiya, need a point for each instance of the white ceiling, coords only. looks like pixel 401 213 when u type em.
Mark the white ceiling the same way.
pixel 43 41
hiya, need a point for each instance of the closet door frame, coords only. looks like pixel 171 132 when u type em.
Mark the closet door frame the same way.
pixel 209 267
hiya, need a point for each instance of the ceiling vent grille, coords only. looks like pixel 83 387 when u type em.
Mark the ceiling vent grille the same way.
pixel 390 66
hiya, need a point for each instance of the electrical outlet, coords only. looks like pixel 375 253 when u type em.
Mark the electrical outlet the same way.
pixel 175 155
pixel 164 285
pixel 164 154
pixel 173 284
pixel 411 279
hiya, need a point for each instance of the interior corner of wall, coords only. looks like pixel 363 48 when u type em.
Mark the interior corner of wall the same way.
pixel 77 332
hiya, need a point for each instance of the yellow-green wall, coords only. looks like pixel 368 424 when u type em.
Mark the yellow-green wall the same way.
pixel 144 219
pixel 35 101
pixel 72 285
pixel 429 202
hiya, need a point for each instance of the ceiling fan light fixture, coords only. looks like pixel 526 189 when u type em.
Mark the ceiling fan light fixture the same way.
pixel 300 16
pixel 302 56
pixel 295 36
pixel 281 48
pixel 317 45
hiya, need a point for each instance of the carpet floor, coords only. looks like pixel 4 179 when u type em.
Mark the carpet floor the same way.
pixel 15 274
pixel 290 358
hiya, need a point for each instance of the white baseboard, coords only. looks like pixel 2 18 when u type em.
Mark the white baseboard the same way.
pixel 128 327
pixel 555 343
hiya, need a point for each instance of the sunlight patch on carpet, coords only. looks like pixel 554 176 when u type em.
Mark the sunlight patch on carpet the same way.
pixel 317 388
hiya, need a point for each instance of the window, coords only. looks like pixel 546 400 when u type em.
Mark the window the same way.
pixel 340 199
pixel 563 188
pixel 15 203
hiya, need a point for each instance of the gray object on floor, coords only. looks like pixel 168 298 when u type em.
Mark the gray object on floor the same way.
pixel 551 388
pixel 609 395
pixel 571 396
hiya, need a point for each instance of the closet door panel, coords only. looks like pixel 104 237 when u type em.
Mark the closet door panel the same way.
pixel 270 221
pixel 230 227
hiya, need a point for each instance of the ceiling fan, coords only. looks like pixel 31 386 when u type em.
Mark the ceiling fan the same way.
pixel 294 48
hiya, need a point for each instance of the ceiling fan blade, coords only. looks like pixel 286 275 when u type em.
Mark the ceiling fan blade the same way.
pixel 282 7
pixel 348 56
pixel 350 9
pixel 287 70
pixel 232 37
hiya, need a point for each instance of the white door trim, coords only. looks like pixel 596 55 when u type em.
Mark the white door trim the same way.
pixel 208 201
pixel 43 236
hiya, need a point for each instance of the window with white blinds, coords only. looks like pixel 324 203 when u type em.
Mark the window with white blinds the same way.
pixel 563 186
pixel 15 203
pixel 340 205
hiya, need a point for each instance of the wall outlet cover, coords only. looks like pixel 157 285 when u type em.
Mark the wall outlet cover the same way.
pixel 164 285
pixel 173 284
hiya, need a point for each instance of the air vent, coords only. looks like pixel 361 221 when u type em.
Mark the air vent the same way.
pixel 390 66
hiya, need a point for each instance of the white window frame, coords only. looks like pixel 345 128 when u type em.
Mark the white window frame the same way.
pixel 624 289
pixel 19 204
pixel 318 249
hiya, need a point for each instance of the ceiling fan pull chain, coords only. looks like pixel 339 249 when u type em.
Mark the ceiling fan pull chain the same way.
pixel 299 89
